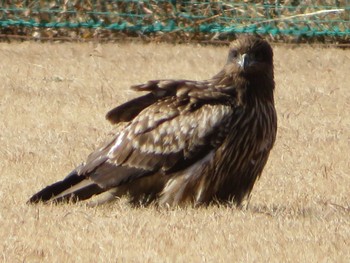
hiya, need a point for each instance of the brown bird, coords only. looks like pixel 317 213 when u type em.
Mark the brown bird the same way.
pixel 185 141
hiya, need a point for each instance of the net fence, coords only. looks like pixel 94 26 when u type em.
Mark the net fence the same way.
pixel 172 20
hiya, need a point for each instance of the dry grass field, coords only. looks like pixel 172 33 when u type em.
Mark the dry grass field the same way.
pixel 53 101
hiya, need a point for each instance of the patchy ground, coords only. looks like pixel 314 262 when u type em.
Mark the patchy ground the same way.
pixel 53 101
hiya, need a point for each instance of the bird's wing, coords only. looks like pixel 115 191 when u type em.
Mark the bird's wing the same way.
pixel 168 129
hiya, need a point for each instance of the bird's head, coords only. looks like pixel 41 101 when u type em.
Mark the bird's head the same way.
pixel 250 56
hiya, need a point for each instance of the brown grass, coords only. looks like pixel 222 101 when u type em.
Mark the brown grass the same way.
pixel 53 101
pixel 326 21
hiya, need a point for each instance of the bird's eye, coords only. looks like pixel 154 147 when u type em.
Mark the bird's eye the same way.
pixel 259 56
pixel 233 53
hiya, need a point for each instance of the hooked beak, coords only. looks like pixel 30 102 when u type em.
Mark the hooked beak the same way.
pixel 244 61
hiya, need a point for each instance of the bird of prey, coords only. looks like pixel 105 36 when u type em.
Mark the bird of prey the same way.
pixel 185 142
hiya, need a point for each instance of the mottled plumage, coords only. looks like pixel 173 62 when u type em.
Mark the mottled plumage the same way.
pixel 186 141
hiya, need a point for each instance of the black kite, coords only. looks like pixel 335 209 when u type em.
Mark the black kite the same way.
pixel 186 141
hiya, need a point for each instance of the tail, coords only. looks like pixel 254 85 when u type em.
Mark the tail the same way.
pixel 73 188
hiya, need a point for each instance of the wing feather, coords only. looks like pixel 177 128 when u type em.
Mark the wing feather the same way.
pixel 170 132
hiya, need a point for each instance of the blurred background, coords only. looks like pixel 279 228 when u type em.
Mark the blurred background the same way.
pixel 292 21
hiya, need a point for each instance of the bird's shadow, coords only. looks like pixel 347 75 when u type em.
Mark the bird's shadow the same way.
pixel 320 209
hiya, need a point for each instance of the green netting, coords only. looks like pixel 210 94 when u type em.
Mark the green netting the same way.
pixel 204 20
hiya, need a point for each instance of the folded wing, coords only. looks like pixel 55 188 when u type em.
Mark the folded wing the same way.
pixel 167 130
